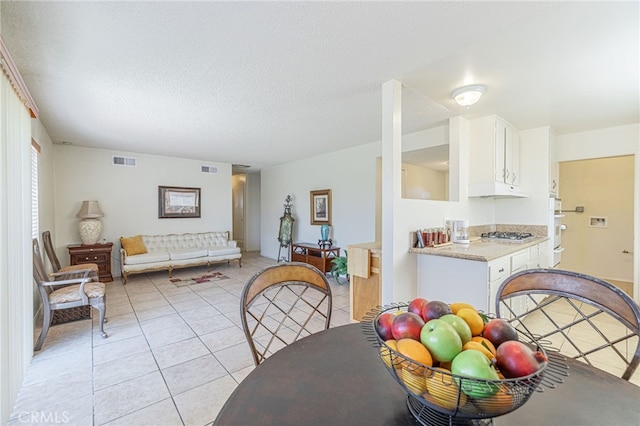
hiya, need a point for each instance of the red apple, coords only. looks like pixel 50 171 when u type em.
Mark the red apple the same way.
pixel 383 325
pixel 499 330
pixel 515 359
pixel 407 325
pixel 435 309
pixel 416 305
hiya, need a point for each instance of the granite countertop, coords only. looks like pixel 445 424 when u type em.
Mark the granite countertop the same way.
pixel 480 250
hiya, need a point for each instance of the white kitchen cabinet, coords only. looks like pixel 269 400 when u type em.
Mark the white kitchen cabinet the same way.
pixel 494 166
pixel 554 166
pixel 451 279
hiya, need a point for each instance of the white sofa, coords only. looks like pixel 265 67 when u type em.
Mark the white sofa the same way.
pixel 171 251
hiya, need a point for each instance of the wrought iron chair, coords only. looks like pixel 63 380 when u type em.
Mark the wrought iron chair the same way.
pixel 283 303
pixel 55 263
pixel 62 290
pixel 581 316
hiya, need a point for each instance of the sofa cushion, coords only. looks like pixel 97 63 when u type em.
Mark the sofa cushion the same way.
pixel 222 251
pixel 187 254
pixel 147 258
pixel 133 245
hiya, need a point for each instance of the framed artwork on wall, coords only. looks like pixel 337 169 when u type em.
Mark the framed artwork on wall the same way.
pixel 174 201
pixel 321 207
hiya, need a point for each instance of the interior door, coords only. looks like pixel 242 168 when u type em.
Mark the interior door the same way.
pixel 238 191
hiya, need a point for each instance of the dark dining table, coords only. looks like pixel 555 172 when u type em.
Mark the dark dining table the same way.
pixel 336 377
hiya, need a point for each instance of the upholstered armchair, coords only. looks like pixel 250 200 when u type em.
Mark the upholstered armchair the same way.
pixel 62 290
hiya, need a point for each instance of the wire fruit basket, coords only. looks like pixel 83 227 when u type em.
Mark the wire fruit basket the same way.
pixel 437 396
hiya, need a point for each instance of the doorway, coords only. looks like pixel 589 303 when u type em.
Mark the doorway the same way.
pixel 238 191
pixel 599 241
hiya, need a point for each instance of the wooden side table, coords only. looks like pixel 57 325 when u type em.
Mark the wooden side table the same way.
pixel 99 254
pixel 310 253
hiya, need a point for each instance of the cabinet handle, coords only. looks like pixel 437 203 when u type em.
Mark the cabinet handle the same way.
pixel 501 270
pixel 86 258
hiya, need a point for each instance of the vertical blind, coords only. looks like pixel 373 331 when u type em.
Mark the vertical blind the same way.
pixel 35 224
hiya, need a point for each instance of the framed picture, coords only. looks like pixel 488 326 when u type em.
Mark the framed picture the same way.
pixel 178 202
pixel 321 207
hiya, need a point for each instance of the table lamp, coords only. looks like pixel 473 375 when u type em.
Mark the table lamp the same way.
pixel 89 227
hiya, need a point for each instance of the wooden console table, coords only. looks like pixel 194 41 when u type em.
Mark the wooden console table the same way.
pixel 100 254
pixel 310 253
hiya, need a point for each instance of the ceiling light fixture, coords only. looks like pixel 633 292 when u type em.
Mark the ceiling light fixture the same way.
pixel 468 95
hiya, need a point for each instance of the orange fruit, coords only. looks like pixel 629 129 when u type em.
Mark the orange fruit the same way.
pixel 455 307
pixel 473 319
pixel 417 352
pixel 500 403
pixel 444 390
pixel 486 343
pixel 414 382
pixel 478 347
pixel 388 356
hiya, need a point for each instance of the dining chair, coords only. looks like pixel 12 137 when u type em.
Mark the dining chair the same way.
pixel 581 316
pixel 63 290
pixel 283 303
pixel 55 263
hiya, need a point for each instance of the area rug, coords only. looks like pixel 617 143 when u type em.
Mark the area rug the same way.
pixel 213 276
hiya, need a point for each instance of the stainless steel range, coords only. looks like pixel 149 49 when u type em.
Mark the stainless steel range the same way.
pixel 516 237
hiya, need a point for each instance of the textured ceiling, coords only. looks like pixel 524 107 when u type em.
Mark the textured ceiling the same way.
pixel 262 83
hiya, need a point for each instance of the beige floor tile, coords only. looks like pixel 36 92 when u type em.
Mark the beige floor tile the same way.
pixel 224 338
pixel 166 336
pixel 209 325
pixel 127 397
pixel 114 350
pixel 163 413
pixel 236 357
pixel 200 406
pixel 123 369
pixel 179 352
pixel 122 332
pixel 189 374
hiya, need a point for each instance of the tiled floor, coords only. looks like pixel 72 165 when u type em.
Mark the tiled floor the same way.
pixel 173 356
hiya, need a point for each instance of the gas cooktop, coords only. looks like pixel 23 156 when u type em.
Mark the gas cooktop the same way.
pixel 509 236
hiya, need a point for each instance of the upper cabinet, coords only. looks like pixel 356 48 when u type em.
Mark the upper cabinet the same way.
pixel 554 166
pixel 494 161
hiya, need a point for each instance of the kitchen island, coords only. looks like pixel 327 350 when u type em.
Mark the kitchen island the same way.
pixel 473 272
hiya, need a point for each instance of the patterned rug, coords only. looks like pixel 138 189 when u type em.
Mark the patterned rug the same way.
pixel 213 276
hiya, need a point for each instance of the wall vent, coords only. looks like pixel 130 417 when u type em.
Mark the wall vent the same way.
pixel 209 169
pixel 124 161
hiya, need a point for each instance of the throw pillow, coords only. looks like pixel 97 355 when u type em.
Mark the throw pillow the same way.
pixel 133 245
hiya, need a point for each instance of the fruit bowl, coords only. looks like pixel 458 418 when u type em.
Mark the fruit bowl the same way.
pixel 435 395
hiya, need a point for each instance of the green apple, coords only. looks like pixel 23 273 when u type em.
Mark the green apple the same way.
pixel 475 365
pixel 442 340
pixel 459 325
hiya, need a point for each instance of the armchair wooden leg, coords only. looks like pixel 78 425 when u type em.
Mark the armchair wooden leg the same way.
pixel 101 307
pixel 46 322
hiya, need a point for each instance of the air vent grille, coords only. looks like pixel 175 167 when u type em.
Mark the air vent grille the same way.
pixel 124 161
pixel 209 169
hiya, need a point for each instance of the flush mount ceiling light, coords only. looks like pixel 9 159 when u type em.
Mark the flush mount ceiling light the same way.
pixel 468 95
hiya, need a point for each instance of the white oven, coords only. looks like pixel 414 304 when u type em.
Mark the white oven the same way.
pixel 557 231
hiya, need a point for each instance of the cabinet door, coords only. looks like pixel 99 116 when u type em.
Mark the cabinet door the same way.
pixel 512 156
pixel 500 172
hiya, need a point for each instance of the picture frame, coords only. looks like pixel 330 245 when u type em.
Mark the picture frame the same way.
pixel 178 202
pixel 321 207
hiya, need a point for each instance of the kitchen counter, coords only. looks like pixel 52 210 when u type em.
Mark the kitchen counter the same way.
pixel 480 250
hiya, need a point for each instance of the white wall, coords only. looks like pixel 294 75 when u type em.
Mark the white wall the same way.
pixel 350 175
pixel 128 196
pixel 610 142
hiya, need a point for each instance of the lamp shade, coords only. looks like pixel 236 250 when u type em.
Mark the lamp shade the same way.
pixel 89 209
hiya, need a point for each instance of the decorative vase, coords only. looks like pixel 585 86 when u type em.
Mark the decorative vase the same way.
pixel 324 232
